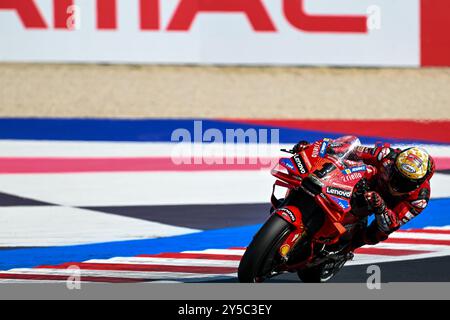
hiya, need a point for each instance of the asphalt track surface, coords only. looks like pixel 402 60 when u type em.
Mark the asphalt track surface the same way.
pixel 218 217
pixel 424 270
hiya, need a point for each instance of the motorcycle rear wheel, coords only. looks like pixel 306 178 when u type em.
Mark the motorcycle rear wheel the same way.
pixel 262 255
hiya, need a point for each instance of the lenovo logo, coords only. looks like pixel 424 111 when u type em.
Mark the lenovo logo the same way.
pixel 183 17
pixel 339 192
pixel 300 164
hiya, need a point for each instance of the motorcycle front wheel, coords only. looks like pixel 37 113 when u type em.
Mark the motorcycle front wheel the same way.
pixel 262 255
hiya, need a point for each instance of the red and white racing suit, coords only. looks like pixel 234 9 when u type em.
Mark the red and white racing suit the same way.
pixel 391 211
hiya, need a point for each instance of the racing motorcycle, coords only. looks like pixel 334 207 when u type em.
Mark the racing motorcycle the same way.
pixel 309 231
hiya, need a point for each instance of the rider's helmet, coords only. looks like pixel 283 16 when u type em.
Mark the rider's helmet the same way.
pixel 412 167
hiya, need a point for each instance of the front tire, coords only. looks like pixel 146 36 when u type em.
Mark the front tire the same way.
pixel 262 255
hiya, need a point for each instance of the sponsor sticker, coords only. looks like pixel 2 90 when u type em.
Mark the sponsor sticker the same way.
pixel 354 170
pixel 288 213
pixel 300 164
pixel 288 163
pixel 316 150
pixel 344 204
pixel 352 177
pixel 415 159
pixel 408 168
pixel 323 147
pixel 339 192
pixel 420 204
pixel 408 217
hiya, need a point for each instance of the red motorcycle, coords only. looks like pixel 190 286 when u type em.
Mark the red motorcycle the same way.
pixel 310 229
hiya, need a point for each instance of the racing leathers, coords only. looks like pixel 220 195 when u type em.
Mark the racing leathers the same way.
pixel 392 210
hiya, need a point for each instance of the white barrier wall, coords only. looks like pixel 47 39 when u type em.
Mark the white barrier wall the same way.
pixel 280 32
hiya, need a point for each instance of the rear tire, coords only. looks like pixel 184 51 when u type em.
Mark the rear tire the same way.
pixel 262 255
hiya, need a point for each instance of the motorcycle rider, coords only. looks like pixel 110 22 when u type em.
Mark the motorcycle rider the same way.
pixel 398 191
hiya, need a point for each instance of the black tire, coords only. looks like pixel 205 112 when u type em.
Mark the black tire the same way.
pixel 262 256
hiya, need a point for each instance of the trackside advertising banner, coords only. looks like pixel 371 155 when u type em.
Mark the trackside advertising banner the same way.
pixel 250 32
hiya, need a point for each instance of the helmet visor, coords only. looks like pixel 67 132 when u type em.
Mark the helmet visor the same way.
pixel 401 184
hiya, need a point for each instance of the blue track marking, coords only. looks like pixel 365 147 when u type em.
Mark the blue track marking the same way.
pixel 148 130
pixel 218 239
pixel 435 215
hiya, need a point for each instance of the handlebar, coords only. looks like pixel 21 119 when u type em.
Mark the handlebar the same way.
pixel 288 151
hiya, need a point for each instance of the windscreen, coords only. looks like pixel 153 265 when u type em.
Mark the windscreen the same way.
pixel 342 148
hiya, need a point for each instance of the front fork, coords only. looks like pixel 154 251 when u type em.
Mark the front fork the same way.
pixel 294 217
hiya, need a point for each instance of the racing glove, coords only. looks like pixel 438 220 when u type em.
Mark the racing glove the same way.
pixel 358 200
pixel 375 202
pixel 386 221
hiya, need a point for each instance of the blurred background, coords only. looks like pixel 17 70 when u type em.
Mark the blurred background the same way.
pixel 91 93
